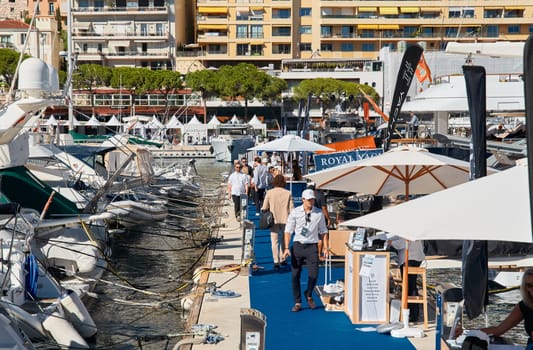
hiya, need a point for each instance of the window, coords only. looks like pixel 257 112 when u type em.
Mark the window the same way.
pixel 326 47
pixel 305 30
pixel 159 29
pixel 22 37
pixel 451 31
pixel 367 33
pixel 242 31
pixel 281 13
pixel 347 31
pixel 51 10
pixel 305 12
pixel 281 49
pixel 242 49
pixel 513 29
pixel 256 50
pixel 325 31
pixel 468 13
pixel 256 31
pixel 410 31
pixel 454 12
pixel 99 48
pixel 493 13
pixel 347 47
pixel 368 47
pixel 144 29
pixel 493 31
pixel 305 47
pixel 84 48
pixel 281 31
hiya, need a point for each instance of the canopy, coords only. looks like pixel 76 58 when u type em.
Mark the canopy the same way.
pixel 214 121
pixel 154 124
pixel 290 143
pixel 93 122
pixel 494 208
pixel 405 170
pixel 255 121
pixel 113 121
pixel 51 121
pixel 174 123
pixel 194 121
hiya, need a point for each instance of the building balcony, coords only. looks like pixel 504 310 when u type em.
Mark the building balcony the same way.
pixel 118 11
pixel 99 37
pixel 108 54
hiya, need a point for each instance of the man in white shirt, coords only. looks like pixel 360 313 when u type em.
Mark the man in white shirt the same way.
pixel 309 227
pixel 237 187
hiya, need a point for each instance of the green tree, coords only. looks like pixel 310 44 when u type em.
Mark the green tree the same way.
pixel 8 64
pixel 164 81
pixel 203 81
pixel 90 76
pixel 330 91
pixel 243 81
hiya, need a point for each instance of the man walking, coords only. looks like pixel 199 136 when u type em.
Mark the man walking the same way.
pixel 260 182
pixel 309 227
pixel 237 187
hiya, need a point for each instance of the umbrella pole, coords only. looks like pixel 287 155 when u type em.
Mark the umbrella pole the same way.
pixel 405 283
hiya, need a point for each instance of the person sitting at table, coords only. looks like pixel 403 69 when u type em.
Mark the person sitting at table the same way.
pixel 522 311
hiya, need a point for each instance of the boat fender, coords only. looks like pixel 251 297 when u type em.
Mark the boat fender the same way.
pixel 76 312
pixel 63 332
pixel 32 275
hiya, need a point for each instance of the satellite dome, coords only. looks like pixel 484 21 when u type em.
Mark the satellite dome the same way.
pixel 34 75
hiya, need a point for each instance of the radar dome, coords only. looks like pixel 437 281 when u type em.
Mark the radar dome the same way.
pixel 34 75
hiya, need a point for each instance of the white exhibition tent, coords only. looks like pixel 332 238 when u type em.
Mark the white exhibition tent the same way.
pixel 194 121
pixel 234 120
pixel 174 123
pixel 154 124
pixel 113 121
pixel 51 121
pixel 255 121
pixel 214 122
pixel 93 122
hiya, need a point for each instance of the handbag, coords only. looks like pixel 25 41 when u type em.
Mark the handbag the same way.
pixel 266 220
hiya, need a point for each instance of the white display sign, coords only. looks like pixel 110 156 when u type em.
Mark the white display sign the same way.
pixel 373 288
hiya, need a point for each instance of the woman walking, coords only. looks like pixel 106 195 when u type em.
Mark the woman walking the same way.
pixel 279 201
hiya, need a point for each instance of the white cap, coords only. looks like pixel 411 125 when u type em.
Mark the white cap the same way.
pixel 264 160
pixel 308 194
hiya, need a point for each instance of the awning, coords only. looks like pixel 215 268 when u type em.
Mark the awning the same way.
pixel 493 7
pixel 119 43
pixel 409 9
pixel 389 26
pixel 430 9
pixel 367 26
pixel 204 9
pixel 368 9
pixel 514 7
pixel 256 8
pixel 212 26
pixel 388 10
pixel 82 25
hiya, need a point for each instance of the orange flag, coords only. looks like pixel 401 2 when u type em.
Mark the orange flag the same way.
pixel 375 106
pixel 422 70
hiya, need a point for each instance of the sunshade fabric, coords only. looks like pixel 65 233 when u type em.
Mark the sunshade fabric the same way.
pixel 463 211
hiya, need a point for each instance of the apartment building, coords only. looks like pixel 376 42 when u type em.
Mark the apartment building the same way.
pixel 269 31
pixel 133 33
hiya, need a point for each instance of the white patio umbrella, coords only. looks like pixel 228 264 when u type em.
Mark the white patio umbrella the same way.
pixel 290 143
pixel 404 170
pixel 463 211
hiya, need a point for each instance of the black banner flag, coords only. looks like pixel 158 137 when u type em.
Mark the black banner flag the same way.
pixel 528 95
pixel 475 253
pixel 410 60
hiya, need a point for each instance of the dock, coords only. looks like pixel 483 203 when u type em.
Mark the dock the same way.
pixel 267 292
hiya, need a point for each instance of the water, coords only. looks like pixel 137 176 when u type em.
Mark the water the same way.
pixel 139 305
pixel 500 305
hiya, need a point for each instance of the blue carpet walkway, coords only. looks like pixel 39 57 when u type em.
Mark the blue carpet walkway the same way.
pixel 270 293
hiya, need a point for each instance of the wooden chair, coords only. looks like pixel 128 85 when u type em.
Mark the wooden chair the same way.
pixel 420 299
